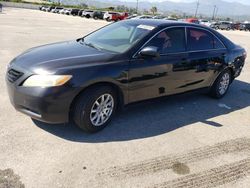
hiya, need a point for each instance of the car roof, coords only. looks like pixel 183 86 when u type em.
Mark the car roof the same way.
pixel 163 23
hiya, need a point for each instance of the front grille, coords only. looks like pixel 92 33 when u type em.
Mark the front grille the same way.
pixel 13 75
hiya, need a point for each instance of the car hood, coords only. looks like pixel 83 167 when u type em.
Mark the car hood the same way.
pixel 61 55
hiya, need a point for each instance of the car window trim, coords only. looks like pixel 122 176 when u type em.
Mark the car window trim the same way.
pixel 187 51
pixel 192 51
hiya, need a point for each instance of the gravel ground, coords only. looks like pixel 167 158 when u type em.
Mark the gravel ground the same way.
pixel 187 140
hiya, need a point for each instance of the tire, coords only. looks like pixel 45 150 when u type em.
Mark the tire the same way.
pixel 108 19
pixel 95 17
pixel 86 105
pixel 218 90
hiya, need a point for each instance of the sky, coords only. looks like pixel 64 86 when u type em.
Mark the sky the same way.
pixel 239 1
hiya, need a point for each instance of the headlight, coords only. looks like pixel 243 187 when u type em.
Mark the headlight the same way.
pixel 46 80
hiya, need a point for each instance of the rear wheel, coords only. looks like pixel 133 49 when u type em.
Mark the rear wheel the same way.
pixel 221 85
pixel 95 108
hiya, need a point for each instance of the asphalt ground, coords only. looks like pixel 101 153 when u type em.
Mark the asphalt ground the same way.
pixel 188 140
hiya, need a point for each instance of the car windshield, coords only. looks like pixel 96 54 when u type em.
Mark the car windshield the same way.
pixel 117 37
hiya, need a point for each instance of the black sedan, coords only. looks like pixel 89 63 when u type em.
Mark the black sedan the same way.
pixel 245 27
pixel 87 79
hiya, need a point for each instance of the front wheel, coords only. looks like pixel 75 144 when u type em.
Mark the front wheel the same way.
pixel 95 108
pixel 221 85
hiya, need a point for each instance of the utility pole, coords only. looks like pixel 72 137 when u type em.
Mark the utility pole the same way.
pixel 197 7
pixel 215 7
pixel 137 6
pixel 216 12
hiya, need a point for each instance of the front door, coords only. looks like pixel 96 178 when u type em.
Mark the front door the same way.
pixel 153 77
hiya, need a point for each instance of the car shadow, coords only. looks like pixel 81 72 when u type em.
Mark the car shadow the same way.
pixel 156 117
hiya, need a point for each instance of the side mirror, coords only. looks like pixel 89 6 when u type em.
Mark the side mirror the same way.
pixel 150 51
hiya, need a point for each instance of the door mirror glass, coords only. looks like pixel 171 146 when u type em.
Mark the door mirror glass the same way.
pixel 150 51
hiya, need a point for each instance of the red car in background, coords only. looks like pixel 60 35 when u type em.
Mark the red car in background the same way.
pixel 115 16
pixel 192 20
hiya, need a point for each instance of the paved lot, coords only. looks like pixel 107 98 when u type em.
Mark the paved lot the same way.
pixel 189 140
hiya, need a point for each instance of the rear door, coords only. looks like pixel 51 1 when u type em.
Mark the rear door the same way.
pixel 206 54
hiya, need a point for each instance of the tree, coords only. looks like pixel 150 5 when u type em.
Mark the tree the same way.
pixel 122 8
pixel 154 10
pixel 83 5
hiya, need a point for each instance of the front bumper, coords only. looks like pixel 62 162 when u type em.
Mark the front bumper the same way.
pixel 50 105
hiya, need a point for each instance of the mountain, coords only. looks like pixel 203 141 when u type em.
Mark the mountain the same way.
pixel 206 7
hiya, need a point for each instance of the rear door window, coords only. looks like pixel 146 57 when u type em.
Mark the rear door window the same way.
pixel 199 39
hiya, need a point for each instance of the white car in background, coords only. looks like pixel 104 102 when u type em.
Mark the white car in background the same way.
pixel 88 13
pixel 205 22
pixel 67 11
pixel 62 11
pixel 143 17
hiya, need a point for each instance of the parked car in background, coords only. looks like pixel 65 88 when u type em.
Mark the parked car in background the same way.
pixel 62 11
pixel 115 16
pixel 143 17
pixel 67 11
pixel 56 9
pixel 235 26
pixel 205 22
pixel 98 15
pixel 88 79
pixel 48 9
pixel 121 16
pixel 192 20
pixel 74 12
pixel 224 25
pixel 245 27
pixel 80 13
pixel 88 13
pixel 215 25
pixel 43 8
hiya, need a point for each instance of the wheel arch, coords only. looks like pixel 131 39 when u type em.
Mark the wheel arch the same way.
pixel 120 94
pixel 232 71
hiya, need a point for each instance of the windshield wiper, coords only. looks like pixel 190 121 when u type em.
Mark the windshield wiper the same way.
pixel 92 45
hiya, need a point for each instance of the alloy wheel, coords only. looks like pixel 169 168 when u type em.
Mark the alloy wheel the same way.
pixel 102 109
pixel 224 83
